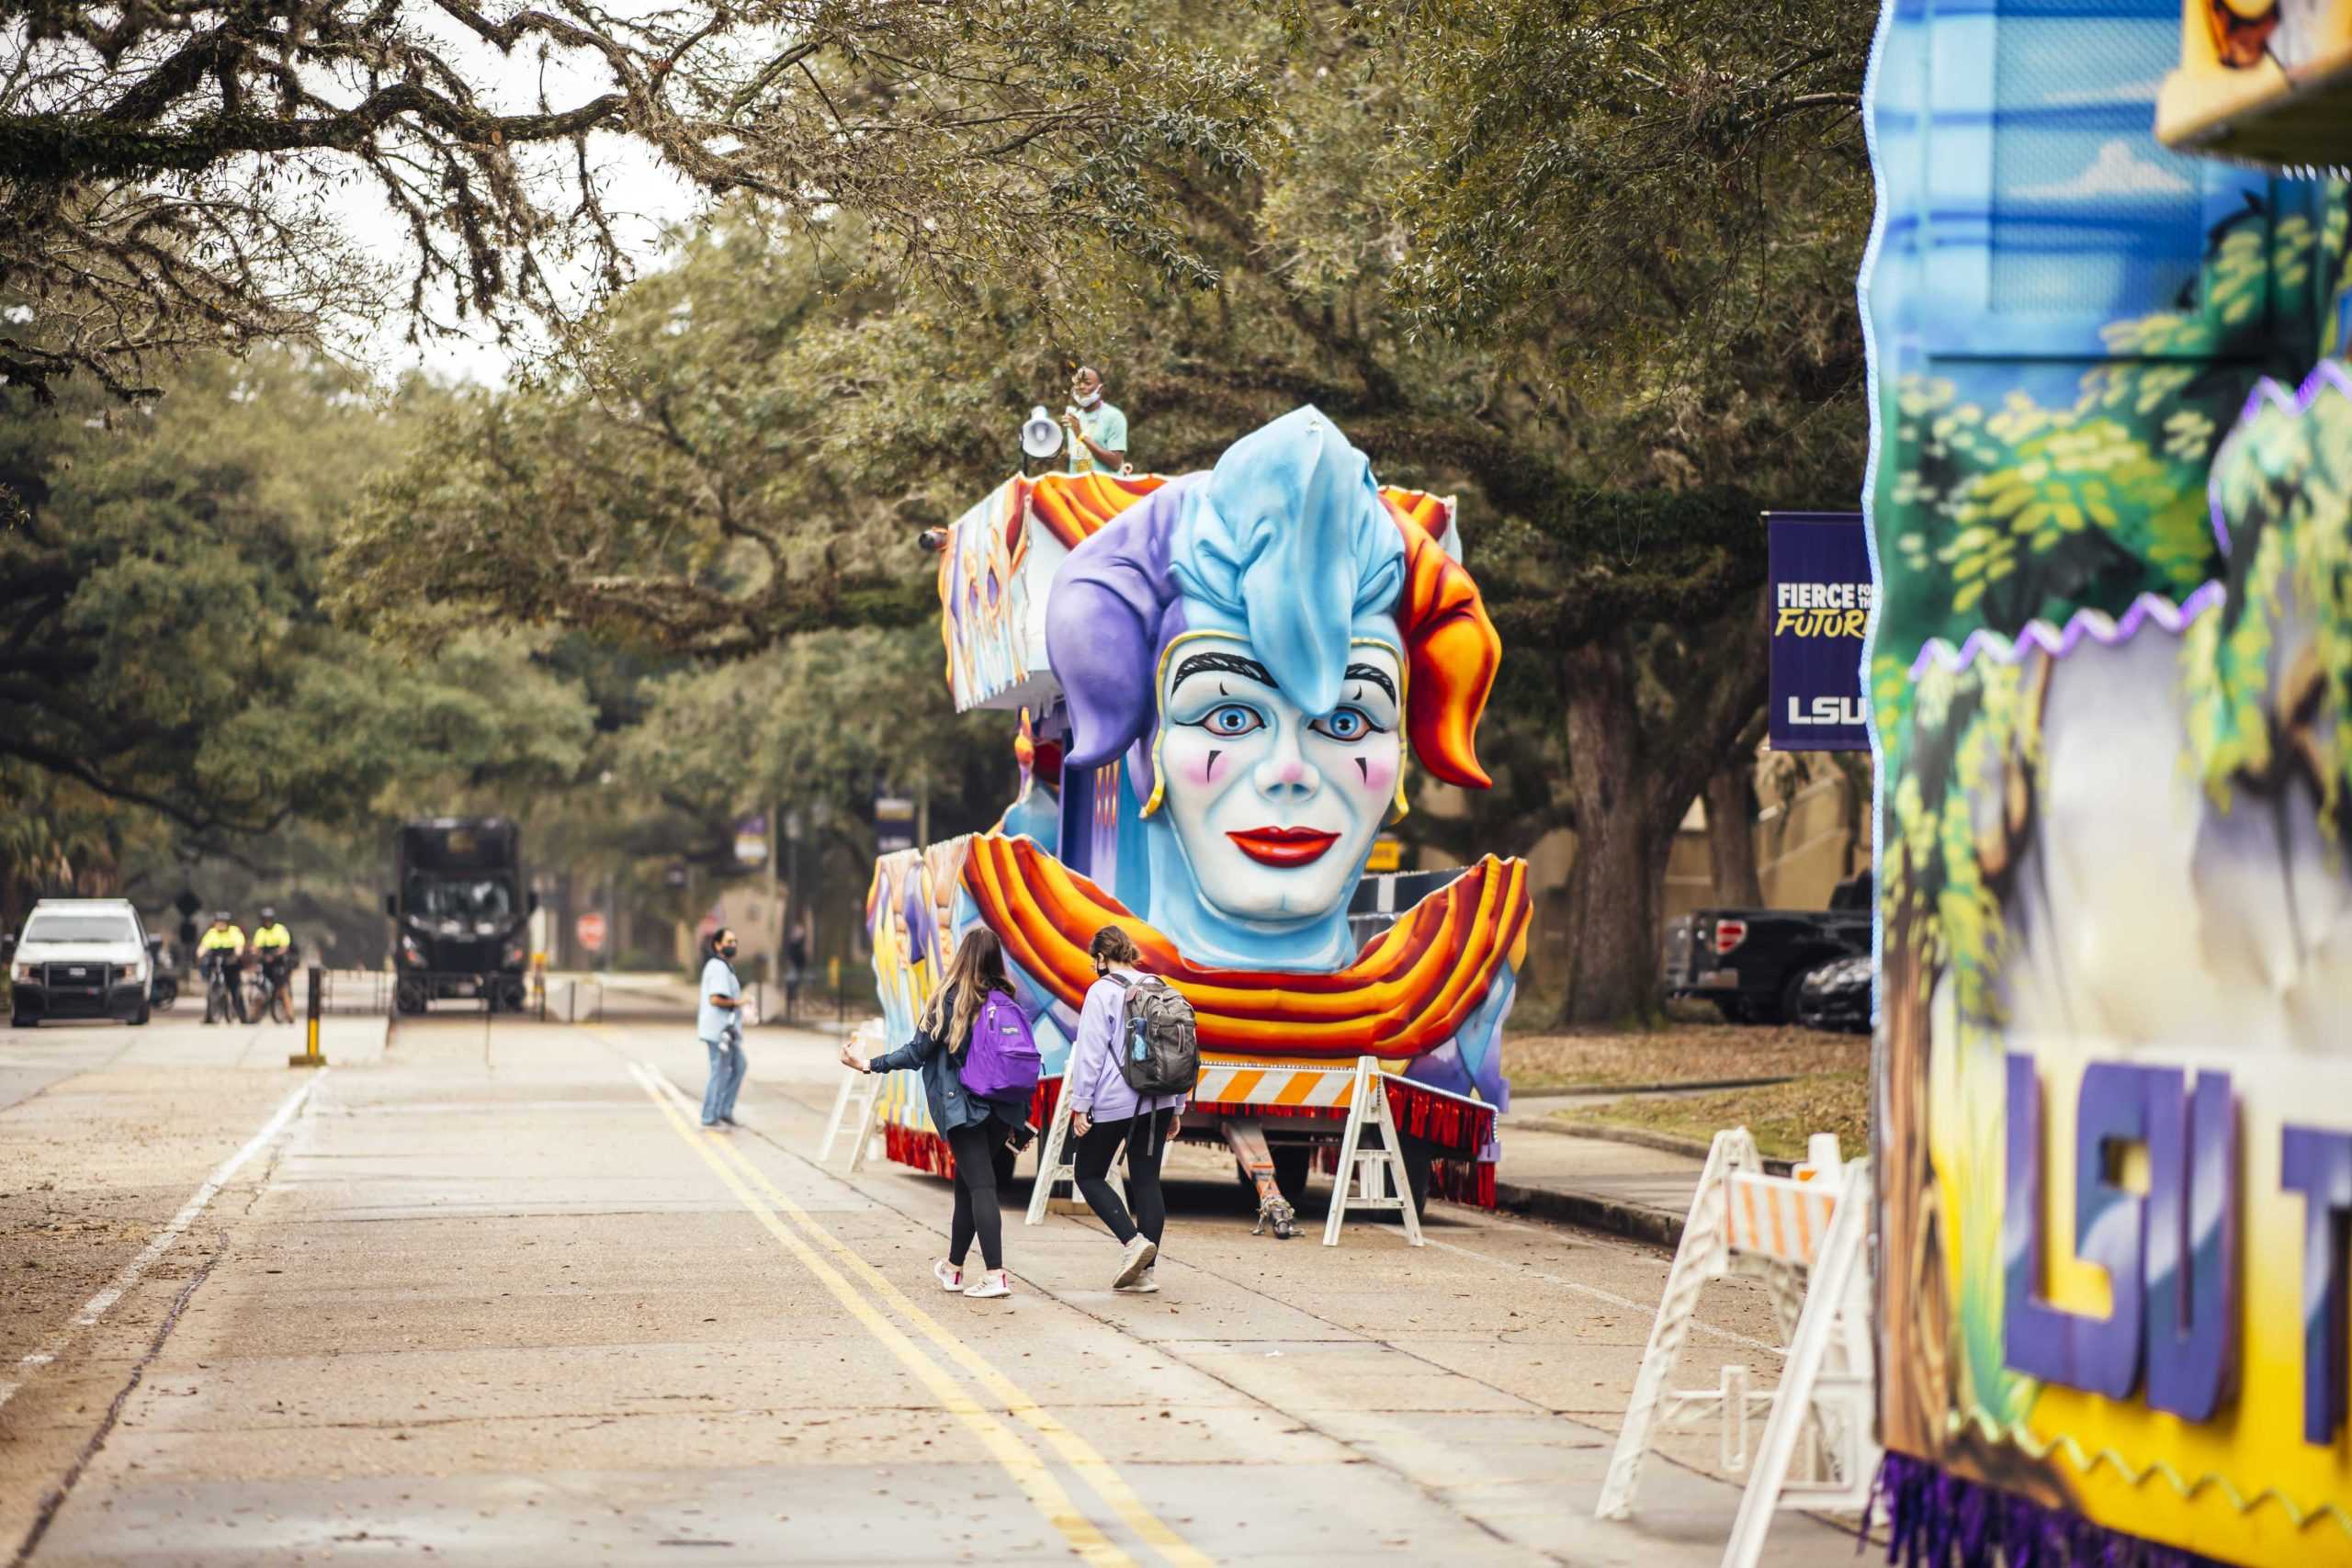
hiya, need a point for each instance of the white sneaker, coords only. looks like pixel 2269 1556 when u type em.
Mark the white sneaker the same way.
pixel 1143 1287
pixel 993 1282
pixel 949 1275
pixel 1139 1257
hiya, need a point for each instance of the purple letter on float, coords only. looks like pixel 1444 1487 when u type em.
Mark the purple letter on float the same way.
pixel 2100 1354
pixel 2319 1166
pixel 2192 1242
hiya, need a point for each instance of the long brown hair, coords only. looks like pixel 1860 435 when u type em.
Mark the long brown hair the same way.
pixel 977 969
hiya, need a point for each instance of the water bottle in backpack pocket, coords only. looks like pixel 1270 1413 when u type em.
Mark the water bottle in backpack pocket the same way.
pixel 1160 1053
pixel 1001 1061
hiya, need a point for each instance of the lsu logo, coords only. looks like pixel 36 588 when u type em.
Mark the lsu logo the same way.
pixel 1826 711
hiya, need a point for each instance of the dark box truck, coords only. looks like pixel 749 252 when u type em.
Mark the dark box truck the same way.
pixel 460 913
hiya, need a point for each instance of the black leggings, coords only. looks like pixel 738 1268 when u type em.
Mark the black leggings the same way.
pixel 1146 1138
pixel 983 1160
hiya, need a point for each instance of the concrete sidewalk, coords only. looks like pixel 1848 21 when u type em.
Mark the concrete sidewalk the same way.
pixel 1605 1184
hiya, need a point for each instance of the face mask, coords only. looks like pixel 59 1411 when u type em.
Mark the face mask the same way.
pixel 727 951
pixel 1088 399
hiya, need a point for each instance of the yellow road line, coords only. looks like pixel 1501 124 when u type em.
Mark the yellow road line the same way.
pixel 1019 1461
pixel 1079 1455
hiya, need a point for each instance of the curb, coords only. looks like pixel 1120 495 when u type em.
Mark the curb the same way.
pixel 1591 1212
pixel 1686 1086
pixel 1663 1143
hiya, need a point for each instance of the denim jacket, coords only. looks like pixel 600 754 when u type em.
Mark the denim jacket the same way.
pixel 943 1084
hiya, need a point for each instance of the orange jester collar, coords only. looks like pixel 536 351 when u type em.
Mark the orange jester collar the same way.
pixel 1410 991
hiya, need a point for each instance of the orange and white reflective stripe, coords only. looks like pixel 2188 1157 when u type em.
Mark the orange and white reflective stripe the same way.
pixel 1779 1217
pixel 1253 1083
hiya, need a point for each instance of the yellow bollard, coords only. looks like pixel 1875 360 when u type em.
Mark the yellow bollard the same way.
pixel 308 1056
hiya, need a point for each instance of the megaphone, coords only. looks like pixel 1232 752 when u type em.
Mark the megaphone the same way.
pixel 1041 433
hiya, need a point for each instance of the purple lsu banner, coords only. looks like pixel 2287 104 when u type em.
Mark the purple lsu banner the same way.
pixel 1821 597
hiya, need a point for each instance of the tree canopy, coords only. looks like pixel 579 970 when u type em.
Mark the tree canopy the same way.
pixel 189 174
pixel 1594 276
pixel 1586 266
pixel 167 647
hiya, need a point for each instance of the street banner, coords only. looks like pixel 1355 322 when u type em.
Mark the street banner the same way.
pixel 1821 597
pixel 894 823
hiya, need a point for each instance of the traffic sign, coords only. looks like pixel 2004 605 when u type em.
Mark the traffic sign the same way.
pixel 589 929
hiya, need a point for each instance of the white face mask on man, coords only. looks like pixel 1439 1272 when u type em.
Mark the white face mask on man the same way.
pixel 1088 399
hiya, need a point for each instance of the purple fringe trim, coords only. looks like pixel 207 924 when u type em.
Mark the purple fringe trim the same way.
pixel 1938 1520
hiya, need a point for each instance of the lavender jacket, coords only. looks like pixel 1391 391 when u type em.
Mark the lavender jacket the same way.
pixel 1094 1083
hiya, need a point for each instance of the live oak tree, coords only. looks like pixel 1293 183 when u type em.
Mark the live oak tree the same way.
pixel 168 667
pixel 821 723
pixel 178 174
pixel 1653 215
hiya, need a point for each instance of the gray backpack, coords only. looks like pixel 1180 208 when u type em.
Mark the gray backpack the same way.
pixel 1158 1054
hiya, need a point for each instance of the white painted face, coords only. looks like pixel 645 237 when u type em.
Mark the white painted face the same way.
pixel 1275 808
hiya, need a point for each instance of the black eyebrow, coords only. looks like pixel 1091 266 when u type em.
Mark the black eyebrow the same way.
pixel 1378 677
pixel 1226 663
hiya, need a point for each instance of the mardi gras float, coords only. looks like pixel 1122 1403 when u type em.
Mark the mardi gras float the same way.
pixel 2111 512
pixel 1220 679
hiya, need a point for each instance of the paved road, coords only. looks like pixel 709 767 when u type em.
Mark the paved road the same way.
pixel 487 1295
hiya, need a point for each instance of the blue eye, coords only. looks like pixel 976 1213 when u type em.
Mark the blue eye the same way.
pixel 1346 724
pixel 1232 719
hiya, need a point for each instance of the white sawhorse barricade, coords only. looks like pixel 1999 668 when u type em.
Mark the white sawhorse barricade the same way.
pixel 854 1104
pixel 1808 1237
pixel 1369 1180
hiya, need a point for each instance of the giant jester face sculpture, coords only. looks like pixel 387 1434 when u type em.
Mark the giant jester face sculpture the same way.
pixel 1275 807
pixel 1262 641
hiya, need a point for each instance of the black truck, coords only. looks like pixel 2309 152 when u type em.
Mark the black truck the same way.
pixel 1752 964
pixel 460 913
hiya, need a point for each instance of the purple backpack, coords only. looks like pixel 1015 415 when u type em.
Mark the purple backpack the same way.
pixel 1000 1062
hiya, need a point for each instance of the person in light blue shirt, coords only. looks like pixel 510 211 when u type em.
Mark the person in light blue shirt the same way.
pixel 718 1022
pixel 1098 432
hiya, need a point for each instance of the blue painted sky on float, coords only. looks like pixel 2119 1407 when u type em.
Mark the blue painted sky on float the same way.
pixel 2027 200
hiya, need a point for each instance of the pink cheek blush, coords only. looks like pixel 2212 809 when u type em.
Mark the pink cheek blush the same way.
pixel 1197 766
pixel 1379 777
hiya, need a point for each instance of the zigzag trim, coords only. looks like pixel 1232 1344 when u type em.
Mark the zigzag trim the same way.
pixel 2326 374
pixel 2085 1463
pixel 2058 643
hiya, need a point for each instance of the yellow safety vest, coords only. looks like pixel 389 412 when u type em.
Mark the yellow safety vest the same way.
pixel 215 938
pixel 274 936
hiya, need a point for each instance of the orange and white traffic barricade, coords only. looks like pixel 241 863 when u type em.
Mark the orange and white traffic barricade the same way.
pixel 1239 1097
pixel 1806 1235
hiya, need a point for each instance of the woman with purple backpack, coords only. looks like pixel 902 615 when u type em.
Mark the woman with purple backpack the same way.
pixel 980 1070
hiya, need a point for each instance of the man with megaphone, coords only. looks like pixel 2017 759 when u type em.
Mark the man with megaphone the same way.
pixel 1098 432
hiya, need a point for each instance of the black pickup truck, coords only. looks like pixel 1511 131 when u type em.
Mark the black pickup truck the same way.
pixel 1752 963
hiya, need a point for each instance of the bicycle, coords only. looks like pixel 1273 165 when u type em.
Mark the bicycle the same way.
pixel 277 1000
pixel 222 977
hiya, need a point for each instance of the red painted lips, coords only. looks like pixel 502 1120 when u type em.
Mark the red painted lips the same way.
pixel 1284 846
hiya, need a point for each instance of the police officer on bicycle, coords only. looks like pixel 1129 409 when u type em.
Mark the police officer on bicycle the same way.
pixel 273 945
pixel 221 954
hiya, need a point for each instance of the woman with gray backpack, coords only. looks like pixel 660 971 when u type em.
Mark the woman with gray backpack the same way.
pixel 1131 1069
pixel 979 1071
